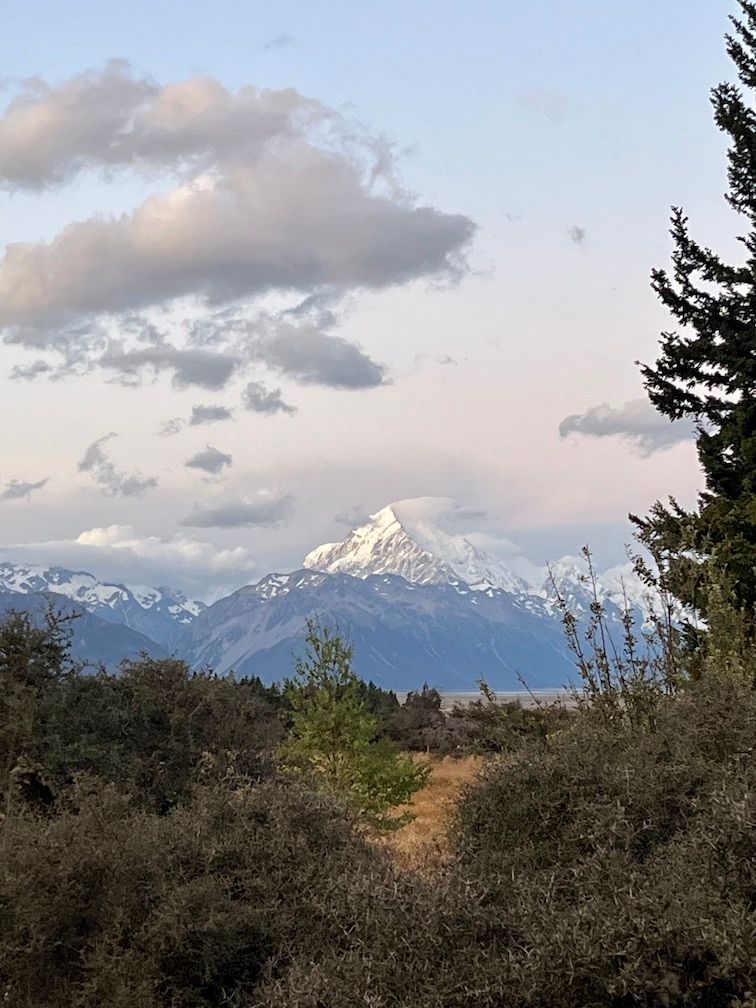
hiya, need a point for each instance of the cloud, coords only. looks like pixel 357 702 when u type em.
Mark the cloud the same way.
pixel 443 359
pixel 189 367
pixel 276 193
pixel 313 357
pixel 209 460
pixel 551 104
pixel 636 421
pixel 353 517
pixel 209 415
pixel 577 234
pixel 115 483
pixel 200 415
pixel 437 510
pixel 110 118
pixel 170 427
pixel 118 553
pixel 279 42
pixel 18 489
pixel 266 511
pixel 30 371
pixel 466 513
pixel 259 399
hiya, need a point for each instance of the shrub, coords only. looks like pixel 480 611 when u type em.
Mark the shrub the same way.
pixel 107 904
pixel 146 729
pixel 335 739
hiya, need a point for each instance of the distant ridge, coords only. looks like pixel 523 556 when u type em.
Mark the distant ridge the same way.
pixel 417 602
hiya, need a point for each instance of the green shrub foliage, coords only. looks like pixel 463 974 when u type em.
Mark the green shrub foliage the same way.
pixel 607 868
pixel 151 855
pixel 335 738
pixel 146 730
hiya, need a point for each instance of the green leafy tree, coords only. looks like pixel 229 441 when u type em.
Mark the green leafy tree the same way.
pixel 334 735
pixel 34 664
pixel 707 371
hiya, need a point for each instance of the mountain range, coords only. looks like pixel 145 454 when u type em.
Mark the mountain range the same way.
pixel 417 603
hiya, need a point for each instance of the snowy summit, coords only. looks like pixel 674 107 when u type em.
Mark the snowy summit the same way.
pixel 398 540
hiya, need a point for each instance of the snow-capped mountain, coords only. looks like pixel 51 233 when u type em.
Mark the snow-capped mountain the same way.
pixel 417 602
pixel 157 613
pixel 94 641
pixel 393 542
pixel 402 633
pixel 396 541
pixel 617 589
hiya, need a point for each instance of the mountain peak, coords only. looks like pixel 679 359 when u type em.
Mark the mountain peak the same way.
pixel 396 541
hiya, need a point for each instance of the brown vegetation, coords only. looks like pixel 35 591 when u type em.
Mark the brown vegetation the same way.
pixel 423 843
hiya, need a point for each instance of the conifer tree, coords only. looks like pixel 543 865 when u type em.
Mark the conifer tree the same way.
pixel 334 735
pixel 707 370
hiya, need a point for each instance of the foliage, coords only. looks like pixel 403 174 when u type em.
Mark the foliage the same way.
pixel 495 727
pixel 108 904
pixel 381 703
pixel 146 730
pixel 419 724
pixel 335 737
pixel 708 372
pixel 34 661
pixel 610 867
pixel 623 679
pixel 618 854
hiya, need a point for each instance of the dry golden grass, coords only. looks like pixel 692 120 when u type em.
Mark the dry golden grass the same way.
pixel 423 841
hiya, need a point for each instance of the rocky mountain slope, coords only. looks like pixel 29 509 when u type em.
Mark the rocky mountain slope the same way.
pixel 93 640
pixel 156 613
pixel 403 633
pixel 417 602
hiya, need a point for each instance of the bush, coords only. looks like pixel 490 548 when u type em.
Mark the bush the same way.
pixel 637 845
pixel 107 904
pixel 602 869
pixel 146 729
pixel 335 739
pixel 611 862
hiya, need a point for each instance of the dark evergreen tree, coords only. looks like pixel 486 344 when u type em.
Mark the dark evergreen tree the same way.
pixel 707 371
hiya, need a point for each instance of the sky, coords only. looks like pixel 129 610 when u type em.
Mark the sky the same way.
pixel 269 267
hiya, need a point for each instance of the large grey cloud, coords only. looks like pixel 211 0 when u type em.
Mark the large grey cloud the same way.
pixel 113 481
pixel 266 511
pixel 314 357
pixel 260 399
pixel 277 193
pixel 188 366
pixel 209 460
pixel 110 118
pixel 20 489
pixel 636 421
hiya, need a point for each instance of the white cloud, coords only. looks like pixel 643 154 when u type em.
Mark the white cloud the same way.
pixel 118 553
pixel 276 193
